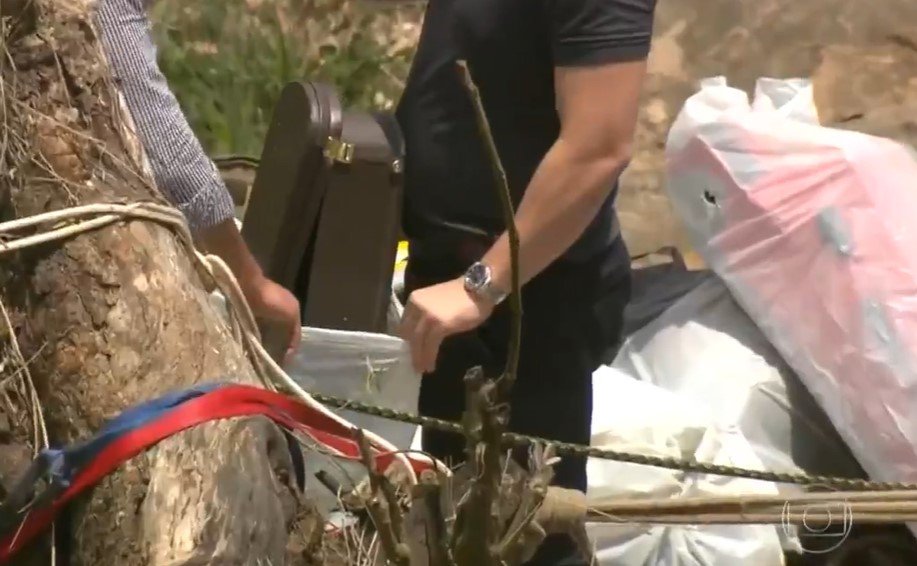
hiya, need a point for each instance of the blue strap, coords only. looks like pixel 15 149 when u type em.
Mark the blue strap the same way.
pixel 59 466
pixel 72 459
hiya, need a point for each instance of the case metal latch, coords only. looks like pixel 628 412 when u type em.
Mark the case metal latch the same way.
pixel 338 151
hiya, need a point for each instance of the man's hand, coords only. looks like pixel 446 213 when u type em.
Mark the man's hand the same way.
pixel 268 300
pixel 273 303
pixel 435 313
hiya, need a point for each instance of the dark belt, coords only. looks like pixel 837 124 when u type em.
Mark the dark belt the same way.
pixel 464 246
pixel 463 249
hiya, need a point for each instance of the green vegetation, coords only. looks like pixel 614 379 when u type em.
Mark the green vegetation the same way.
pixel 227 60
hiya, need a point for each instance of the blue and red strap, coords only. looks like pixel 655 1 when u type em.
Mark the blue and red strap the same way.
pixel 142 427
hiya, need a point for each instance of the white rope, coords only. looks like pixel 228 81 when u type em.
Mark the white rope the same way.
pixel 70 222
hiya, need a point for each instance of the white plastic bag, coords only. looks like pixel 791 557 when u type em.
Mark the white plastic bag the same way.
pixel 361 366
pixel 791 99
pixel 813 230
pixel 639 417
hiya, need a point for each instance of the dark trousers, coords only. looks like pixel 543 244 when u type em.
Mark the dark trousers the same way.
pixel 572 315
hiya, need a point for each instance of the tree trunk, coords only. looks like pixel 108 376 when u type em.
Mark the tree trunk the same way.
pixel 118 316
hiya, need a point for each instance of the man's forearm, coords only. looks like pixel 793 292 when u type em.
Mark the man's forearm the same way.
pixel 223 239
pixel 559 204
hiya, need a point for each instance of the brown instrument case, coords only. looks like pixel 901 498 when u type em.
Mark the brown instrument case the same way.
pixel 323 217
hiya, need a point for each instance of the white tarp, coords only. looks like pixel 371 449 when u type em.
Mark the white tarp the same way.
pixel 639 417
pixel 705 349
pixel 707 353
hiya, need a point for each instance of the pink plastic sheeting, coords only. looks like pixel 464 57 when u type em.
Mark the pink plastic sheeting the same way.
pixel 814 230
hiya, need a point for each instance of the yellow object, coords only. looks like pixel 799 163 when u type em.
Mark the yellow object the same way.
pixel 401 257
pixel 693 260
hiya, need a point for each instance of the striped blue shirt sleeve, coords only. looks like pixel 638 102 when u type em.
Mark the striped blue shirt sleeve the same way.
pixel 182 170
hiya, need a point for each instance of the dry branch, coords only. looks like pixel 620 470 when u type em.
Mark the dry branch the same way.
pixel 810 509
pixel 428 530
pixel 384 508
pixel 479 524
pixel 506 206
pixel 484 535
pixel 431 492
pixel 477 521
pixel 524 534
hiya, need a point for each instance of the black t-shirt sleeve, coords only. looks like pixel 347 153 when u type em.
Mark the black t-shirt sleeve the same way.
pixel 593 32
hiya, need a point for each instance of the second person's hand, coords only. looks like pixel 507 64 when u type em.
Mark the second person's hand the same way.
pixel 273 303
pixel 269 301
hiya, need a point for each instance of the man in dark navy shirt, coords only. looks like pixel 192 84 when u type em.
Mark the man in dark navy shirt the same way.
pixel 560 82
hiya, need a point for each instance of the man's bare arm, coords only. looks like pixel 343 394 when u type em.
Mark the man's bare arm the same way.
pixel 597 106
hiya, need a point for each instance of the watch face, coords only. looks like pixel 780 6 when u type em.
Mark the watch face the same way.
pixel 476 277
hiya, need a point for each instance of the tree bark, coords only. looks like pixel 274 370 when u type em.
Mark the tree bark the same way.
pixel 118 316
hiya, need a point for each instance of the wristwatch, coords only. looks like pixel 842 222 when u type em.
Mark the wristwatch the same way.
pixel 479 282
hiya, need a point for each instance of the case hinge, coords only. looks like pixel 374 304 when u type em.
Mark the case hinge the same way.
pixel 338 151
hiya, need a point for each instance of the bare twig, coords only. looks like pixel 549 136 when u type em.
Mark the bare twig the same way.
pixel 40 430
pixel 478 522
pixel 427 503
pixel 519 534
pixel 515 298
pixel 383 507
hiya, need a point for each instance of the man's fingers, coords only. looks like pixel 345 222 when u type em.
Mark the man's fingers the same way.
pixel 288 355
pixel 416 341
pixel 406 326
pixel 295 337
pixel 413 330
pixel 431 344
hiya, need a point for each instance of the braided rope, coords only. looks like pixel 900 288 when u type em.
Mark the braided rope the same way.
pixel 570 449
pixel 71 222
pixel 514 439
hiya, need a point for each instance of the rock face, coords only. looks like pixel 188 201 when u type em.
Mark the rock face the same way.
pixel 862 57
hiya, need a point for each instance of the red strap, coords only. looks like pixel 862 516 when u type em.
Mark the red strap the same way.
pixel 225 402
